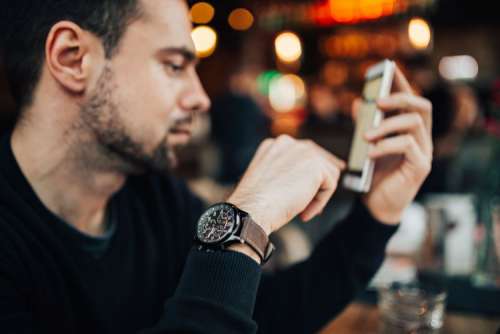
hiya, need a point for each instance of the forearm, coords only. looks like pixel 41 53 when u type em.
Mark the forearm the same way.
pixel 216 294
pixel 311 293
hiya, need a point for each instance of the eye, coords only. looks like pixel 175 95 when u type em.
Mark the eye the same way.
pixel 174 68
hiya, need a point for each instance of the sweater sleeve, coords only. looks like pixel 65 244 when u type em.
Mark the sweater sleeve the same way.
pixel 303 298
pixel 219 291
pixel 216 292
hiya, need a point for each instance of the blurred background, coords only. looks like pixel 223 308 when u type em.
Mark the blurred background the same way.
pixel 295 66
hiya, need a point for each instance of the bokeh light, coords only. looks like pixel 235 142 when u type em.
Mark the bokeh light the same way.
pixel 205 40
pixel 241 19
pixel 264 81
pixel 286 93
pixel 288 47
pixel 419 33
pixel 458 68
pixel 335 73
pixel 202 13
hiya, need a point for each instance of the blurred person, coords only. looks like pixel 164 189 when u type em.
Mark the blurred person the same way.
pixel 329 123
pixel 471 146
pixel 239 125
pixel 460 120
pixel 456 126
pixel 442 100
pixel 323 104
pixel 96 235
pixel 421 71
pixel 329 120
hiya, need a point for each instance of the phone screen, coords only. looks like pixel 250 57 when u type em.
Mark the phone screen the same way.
pixel 364 121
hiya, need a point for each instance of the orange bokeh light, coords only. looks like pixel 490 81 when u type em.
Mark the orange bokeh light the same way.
pixel 330 12
pixel 370 9
pixel 343 10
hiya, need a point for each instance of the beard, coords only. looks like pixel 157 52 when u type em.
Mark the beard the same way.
pixel 109 144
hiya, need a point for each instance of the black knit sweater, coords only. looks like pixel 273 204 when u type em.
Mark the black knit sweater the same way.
pixel 149 278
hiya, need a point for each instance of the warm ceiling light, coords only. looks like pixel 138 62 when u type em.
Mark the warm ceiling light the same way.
pixel 202 13
pixel 288 47
pixel 241 19
pixel 286 93
pixel 205 40
pixel 419 33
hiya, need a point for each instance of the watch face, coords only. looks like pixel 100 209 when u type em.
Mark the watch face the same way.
pixel 216 223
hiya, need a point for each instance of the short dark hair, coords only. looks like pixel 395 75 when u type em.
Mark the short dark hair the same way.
pixel 28 24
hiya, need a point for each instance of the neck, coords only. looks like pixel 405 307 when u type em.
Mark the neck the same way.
pixel 52 158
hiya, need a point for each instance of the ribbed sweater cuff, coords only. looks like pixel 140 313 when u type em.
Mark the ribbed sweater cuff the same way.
pixel 225 277
pixel 361 216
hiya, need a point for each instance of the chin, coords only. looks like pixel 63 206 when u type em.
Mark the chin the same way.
pixel 173 161
pixel 178 140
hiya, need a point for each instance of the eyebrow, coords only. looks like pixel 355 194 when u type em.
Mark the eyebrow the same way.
pixel 188 55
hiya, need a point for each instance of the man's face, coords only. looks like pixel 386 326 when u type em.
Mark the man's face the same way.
pixel 144 101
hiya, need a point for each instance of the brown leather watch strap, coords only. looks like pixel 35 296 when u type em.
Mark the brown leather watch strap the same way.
pixel 253 235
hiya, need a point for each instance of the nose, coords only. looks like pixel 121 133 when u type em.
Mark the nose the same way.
pixel 195 98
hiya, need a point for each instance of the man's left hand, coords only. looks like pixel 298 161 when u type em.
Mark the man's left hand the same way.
pixel 402 148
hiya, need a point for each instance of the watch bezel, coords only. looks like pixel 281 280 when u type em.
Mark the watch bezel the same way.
pixel 229 235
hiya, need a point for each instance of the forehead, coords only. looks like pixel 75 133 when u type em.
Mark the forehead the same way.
pixel 164 22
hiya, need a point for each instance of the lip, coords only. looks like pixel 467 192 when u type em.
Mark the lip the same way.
pixel 180 137
pixel 181 131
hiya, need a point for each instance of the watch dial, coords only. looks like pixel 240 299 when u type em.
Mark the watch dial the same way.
pixel 216 223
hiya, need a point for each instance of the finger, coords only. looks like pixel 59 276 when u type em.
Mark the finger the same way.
pixel 271 147
pixel 332 159
pixel 314 208
pixel 356 106
pixel 325 192
pixel 408 103
pixel 405 145
pixel 337 162
pixel 281 143
pixel 263 149
pixel 401 83
pixel 411 123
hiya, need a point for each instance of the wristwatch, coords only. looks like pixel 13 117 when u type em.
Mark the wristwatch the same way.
pixel 224 224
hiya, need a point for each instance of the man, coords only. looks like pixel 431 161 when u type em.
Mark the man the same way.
pixel 93 241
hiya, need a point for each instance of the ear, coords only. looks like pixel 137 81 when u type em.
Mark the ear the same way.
pixel 67 55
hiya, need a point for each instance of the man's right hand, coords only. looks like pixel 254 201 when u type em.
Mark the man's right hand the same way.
pixel 287 177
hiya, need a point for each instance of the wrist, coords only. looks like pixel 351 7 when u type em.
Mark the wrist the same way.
pixel 245 249
pixel 382 213
pixel 253 210
pixel 227 226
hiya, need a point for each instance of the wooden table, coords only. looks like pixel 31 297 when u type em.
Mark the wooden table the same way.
pixel 363 319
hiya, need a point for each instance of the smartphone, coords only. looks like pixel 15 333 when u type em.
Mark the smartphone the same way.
pixel 378 83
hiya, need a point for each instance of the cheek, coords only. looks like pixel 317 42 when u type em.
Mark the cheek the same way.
pixel 148 102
